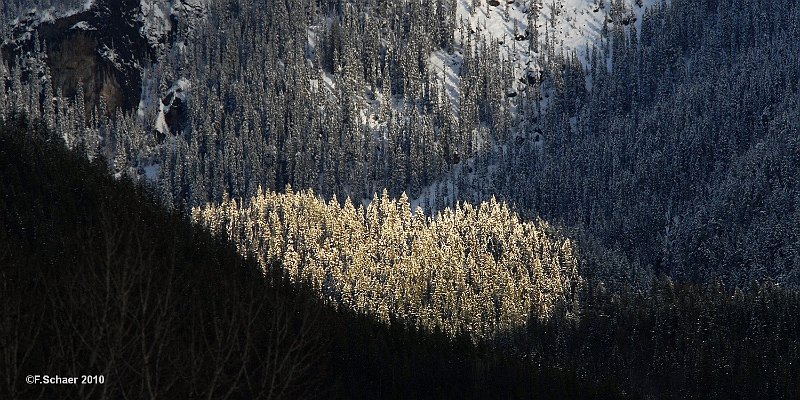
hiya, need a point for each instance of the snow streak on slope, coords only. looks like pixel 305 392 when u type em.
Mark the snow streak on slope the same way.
pixel 447 68
pixel 572 25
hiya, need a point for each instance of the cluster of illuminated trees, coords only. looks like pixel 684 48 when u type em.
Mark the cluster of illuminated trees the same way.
pixel 474 270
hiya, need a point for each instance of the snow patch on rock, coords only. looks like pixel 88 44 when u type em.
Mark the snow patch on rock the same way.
pixel 83 26
pixel 157 17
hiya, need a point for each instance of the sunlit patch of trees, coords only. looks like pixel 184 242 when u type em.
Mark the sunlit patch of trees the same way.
pixel 475 269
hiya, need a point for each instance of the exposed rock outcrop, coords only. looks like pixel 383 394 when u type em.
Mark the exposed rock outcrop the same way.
pixel 102 49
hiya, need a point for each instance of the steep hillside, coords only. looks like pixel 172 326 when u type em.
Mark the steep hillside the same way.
pixel 659 140
pixel 531 34
pixel 98 279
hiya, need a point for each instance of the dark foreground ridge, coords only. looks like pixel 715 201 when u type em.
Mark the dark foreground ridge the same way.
pixel 98 279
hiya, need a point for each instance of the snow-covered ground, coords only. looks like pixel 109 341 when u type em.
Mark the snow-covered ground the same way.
pixel 569 25
pixel 447 68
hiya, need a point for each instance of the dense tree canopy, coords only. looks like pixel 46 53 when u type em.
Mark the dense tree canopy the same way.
pixel 474 270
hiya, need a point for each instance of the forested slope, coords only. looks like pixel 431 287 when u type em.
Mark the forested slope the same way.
pixel 98 279
pixel 683 155
pixel 637 140
pixel 663 157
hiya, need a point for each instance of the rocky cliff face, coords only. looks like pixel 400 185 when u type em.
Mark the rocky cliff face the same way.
pixel 102 49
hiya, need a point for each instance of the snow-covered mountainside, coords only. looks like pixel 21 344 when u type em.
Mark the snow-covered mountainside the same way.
pixel 522 30
pixel 521 27
pixel 527 36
